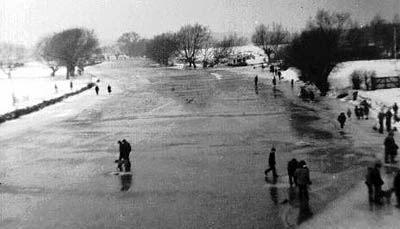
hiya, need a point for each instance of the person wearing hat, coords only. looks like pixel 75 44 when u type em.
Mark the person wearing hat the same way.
pixel 271 163
pixel 390 148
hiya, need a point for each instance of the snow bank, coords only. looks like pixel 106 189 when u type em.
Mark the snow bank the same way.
pixel 32 84
pixel 339 77
pixel 291 74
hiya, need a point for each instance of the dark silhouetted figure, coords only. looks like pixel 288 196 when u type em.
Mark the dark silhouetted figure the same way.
pixel 56 88
pixel 396 187
pixel 366 83
pixel 109 89
pixel 395 109
pixel 124 151
pixel 381 117
pixel 291 168
pixel 311 95
pixel 97 89
pixel 342 119
pixel 369 183
pixel 256 81
pixel 348 113
pixel 357 112
pixel 355 95
pixel 390 148
pixel 366 111
pixel 361 112
pixel 271 163
pixel 302 175
pixel 274 81
pixel 71 85
pixel 292 83
pixel 279 75
pixel 389 120
pixel 377 182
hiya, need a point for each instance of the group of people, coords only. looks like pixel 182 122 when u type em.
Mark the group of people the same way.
pixel 306 95
pixel 361 111
pixel 374 183
pixel 386 117
pixel 97 89
pixel 299 174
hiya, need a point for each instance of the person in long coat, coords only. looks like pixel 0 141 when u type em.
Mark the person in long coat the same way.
pixel 271 163
pixel 302 176
pixel 291 168
pixel 390 148
pixel 341 119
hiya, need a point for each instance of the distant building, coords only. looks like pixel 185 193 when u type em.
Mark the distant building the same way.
pixel 237 60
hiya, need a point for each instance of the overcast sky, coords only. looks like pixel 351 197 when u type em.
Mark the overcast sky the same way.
pixel 25 21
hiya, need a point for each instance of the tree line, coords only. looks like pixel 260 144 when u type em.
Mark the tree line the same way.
pixel 190 44
pixel 329 38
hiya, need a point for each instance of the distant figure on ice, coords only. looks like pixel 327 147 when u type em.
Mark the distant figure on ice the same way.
pixel 292 83
pixel 381 117
pixel 348 113
pixel 109 89
pixel 271 163
pixel 97 89
pixel 274 81
pixel 256 81
pixel 56 88
pixel 71 85
pixel 124 151
pixel 390 148
pixel 396 187
pixel 341 119
pixel 355 95
pixel 279 75
pixel 302 175
pixel 389 120
pixel 395 109
pixel 376 182
pixel 291 168
pixel 357 112
pixel 369 183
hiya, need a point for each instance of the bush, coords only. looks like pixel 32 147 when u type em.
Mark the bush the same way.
pixel 360 76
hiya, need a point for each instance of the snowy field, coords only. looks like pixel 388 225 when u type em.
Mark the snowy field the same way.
pixel 32 84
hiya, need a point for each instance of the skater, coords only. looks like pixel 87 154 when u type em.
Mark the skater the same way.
pixel 348 113
pixel 390 148
pixel 302 175
pixel 396 187
pixel 274 81
pixel 389 120
pixel 271 163
pixel 97 89
pixel 71 85
pixel 381 117
pixel 109 89
pixel 357 112
pixel 395 109
pixel 256 81
pixel 291 168
pixel 292 83
pixel 124 151
pixel 279 75
pixel 377 182
pixel 341 119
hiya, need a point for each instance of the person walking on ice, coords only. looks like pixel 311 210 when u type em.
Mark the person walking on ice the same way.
pixel 302 176
pixel 97 89
pixel 341 119
pixel 271 163
pixel 390 148
pixel 124 151
pixel 109 89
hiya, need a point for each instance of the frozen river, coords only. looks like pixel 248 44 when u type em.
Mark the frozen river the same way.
pixel 200 147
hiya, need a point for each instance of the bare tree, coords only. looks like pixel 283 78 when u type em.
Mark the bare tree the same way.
pixel 132 44
pixel 46 53
pixel 270 38
pixel 191 39
pixel 11 57
pixel 161 48
pixel 73 47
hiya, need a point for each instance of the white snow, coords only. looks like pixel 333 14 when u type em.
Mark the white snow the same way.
pixel 339 78
pixel 32 84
